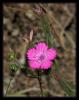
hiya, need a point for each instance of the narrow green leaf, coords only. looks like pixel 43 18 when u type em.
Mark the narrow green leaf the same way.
pixel 47 30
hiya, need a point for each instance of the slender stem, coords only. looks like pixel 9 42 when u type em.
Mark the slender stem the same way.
pixel 39 79
pixel 8 85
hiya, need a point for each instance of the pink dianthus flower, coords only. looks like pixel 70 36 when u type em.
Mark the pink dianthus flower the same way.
pixel 41 56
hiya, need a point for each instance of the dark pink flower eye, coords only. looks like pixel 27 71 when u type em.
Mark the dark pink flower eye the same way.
pixel 40 57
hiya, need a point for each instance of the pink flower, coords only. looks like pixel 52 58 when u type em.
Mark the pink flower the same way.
pixel 41 57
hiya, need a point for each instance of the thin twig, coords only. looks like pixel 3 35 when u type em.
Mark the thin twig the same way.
pixel 22 92
pixel 60 36
pixel 67 10
pixel 66 24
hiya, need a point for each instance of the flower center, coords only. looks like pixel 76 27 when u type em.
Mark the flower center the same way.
pixel 41 57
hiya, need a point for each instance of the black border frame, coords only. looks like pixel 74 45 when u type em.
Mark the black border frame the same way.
pixel 1 40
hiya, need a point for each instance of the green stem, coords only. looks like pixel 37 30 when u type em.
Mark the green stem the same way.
pixel 39 79
pixel 48 83
pixel 8 85
pixel 64 84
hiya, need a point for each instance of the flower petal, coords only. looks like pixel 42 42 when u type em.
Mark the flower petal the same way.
pixel 34 64
pixel 46 64
pixel 31 54
pixel 51 55
pixel 41 46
